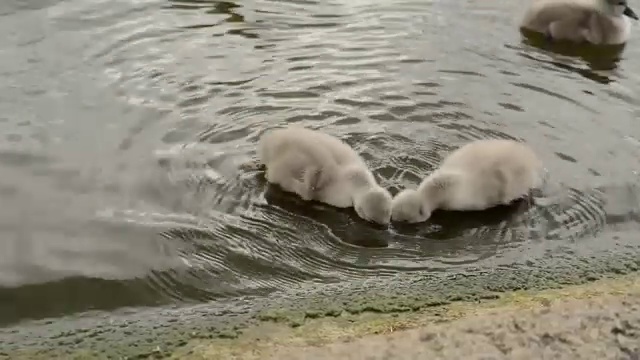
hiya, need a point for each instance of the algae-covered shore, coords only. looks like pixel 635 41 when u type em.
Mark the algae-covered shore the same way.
pixel 595 320
pixel 306 317
pixel 600 320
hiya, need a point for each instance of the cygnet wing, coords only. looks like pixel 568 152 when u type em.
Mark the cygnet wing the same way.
pixel 485 154
pixel 544 12
pixel 278 143
pixel 340 151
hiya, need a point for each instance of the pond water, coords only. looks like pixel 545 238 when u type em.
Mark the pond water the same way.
pixel 124 124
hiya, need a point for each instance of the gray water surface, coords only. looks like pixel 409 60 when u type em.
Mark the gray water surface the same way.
pixel 123 125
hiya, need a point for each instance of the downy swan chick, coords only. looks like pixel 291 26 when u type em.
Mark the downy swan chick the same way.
pixel 599 22
pixel 320 167
pixel 479 175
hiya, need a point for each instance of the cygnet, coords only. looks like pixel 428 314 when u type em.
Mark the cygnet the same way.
pixel 320 167
pixel 479 175
pixel 599 22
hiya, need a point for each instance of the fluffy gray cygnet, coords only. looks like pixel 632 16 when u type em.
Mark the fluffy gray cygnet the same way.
pixel 320 167
pixel 599 22
pixel 479 175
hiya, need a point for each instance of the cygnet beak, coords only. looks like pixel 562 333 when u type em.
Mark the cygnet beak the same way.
pixel 630 13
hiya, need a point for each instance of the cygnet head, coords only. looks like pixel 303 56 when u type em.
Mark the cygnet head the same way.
pixel 374 204
pixel 409 206
pixel 617 8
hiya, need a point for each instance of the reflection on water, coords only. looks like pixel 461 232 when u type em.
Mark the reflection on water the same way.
pixel 126 125
pixel 600 60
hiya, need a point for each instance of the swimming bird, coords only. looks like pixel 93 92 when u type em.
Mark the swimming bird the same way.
pixel 599 22
pixel 320 167
pixel 477 176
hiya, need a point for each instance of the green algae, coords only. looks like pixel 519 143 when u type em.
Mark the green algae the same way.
pixel 469 288
pixel 161 336
pixel 321 332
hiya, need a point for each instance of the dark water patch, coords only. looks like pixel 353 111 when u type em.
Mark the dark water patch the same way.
pixel 563 68
pixel 511 107
pixel 344 223
pixel 358 103
pixel 566 157
pixel 598 57
pixel 461 72
pixel 72 295
pixel 551 93
pixel 289 94
pixel 22 159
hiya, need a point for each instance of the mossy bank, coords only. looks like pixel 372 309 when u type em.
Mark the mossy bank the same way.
pixel 334 311
pixel 268 341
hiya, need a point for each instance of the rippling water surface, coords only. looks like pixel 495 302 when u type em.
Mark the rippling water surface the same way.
pixel 124 124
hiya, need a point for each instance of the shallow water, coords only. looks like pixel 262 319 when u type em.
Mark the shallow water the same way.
pixel 125 122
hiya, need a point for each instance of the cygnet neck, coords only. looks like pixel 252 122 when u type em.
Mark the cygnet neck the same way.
pixel 359 180
pixel 434 189
pixel 593 4
pixel 601 6
pixel 428 195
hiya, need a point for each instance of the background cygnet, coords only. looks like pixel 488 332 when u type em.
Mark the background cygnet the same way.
pixel 599 22
pixel 479 175
pixel 320 167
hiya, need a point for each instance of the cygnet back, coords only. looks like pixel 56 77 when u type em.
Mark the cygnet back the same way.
pixel 594 21
pixel 320 167
pixel 541 13
pixel 297 159
pixel 343 170
pixel 275 143
pixel 483 174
